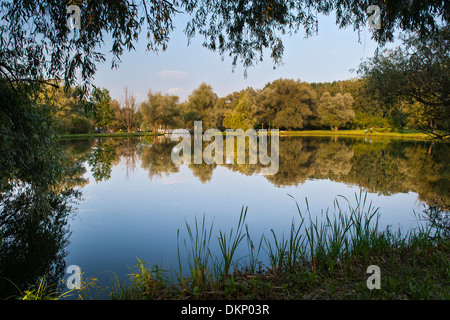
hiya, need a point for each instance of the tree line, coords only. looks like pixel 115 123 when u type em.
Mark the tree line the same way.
pixel 405 87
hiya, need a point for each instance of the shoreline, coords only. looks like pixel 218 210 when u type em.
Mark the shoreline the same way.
pixel 306 133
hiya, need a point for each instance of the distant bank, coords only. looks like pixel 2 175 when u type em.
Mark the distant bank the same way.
pixel 407 134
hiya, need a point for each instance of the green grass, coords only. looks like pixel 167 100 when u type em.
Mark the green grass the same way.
pixel 323 256
pixel 377 133
pixel 41 290
pixel 105 135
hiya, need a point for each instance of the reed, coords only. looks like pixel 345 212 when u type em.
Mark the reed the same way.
pixel 316 247
pixel 330 247
pixel 198 255
pixel 228 245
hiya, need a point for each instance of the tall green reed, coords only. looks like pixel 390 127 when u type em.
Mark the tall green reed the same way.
pixel 198 252
pixel 349 230
pixel 328 237
pixel 228 245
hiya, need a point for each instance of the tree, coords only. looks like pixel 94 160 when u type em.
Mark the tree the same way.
pixel 241 116
pixel 336 111
pixel 241 29
pixel 36 44
pixel 200 106
pixel 223 106
pixel 288 103
pixel 244 29
pixel 70 111
pixel 414 78
pixel 127 111
pixel 160 110
pixel 103 112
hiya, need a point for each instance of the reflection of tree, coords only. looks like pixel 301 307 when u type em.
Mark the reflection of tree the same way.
pixel 203 171
pixel 34 223
pixel 439 219
pixel 400 166
pixel 427 173
pixel 126 153
pixel 34 242
pixel 384 167
pixel 375 167
pixel 156 158
pixel 107 153
pixel 333 160
pixel 100 159
pixel 296 162
pixel 231 161
pixel 76 152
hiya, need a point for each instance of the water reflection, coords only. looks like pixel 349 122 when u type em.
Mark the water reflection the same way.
pixel 34 224
pixel 36 238
pixel 384 167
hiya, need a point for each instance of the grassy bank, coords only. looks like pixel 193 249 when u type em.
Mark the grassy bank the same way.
pixel 105 135
pixel 325 258
pixel 377 133
pixel 410 134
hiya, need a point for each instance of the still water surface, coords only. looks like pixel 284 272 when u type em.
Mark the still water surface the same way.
pixel 135 199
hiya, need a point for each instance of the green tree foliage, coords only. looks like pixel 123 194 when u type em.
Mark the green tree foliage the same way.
pixel 103 111
pixel 70 110
pixel 200 107
pixel 223 106
pixel 244 29
pixel 414 80
pixel 241 116
pixel 240 29
pixel 288 103
pixel 160 110
pixel 36 44
pixel 336 111
pixel 364 120
pixel 115 105
pixel 26 137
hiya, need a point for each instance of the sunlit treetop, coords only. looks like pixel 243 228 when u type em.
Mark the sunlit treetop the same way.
pixel 37 43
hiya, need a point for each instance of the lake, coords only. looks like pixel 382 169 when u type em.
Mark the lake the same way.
pixel 136 202
pixel 135 199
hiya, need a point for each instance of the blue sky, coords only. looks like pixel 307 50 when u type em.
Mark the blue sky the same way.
pixel 327 56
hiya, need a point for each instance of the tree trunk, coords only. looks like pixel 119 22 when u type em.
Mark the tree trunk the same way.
pixel 155 131
pixel 434 126
pixel 430 148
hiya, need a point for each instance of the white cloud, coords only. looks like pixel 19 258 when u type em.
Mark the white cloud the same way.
pixel 172 74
